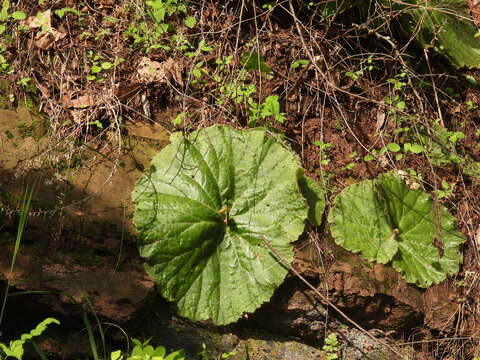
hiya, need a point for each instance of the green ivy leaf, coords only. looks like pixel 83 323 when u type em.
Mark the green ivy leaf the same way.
pixel 386 221
pixel 206 210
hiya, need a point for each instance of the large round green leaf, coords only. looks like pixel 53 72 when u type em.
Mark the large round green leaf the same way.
pixel 386 221
pixel 206 210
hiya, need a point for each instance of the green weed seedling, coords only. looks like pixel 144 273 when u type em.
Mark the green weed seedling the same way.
pixel 150 34
pixel 353 156
pixel 190 22
pixel 158 9
pixel 222 64
pixel 5 15
pixel 24 81
pixel 198 71
pixel 204 354
pixel 16 347
pixel 365 65
pixel 440 148
pixel 446 190
pixel 5 66
pixel 236 90
pixel 254 61
pixel 145 351
pixel 101 34
pixel 300 64
pixel 178 120
pixel 98 66
pixel 331 346
pixel 260 111
pixel 324 158
pixel 67 10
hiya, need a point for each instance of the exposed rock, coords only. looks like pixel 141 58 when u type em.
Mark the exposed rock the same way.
pixel 358 346
pixel 295 311
pixel 78 241
pixel 441 306
pixel 279 350
pixel 113 294
pixel 374 294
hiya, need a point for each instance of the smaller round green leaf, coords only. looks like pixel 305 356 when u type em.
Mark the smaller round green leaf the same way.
pixel 208 212
pixel 386 221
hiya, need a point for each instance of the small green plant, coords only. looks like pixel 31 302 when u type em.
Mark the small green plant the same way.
pixel 98 66
pixel 67 10
pixel 236 90
pixel 413 148
pixel 204 354
pixel 5 66
pixel 16 347
pixel 396 103
pixel 5 15
pixel 324 158
pixel 398 82
pixel 470 105
pixel 101 34
pixel 150 32
pixel 254 61
pixel 145 351
pixel 190 22
pixel 269 108
pixel 299 64
pixel 178 120
pixel 331 346
pixel 353 156
pixel 24 81
pixel 198 71
pixel 439 144
pixel 446 190
pixel 158 9
pixel 367 64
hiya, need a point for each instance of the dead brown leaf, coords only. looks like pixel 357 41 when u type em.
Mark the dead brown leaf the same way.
pixel 82 101
pixel 150 71
pixel 48 35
